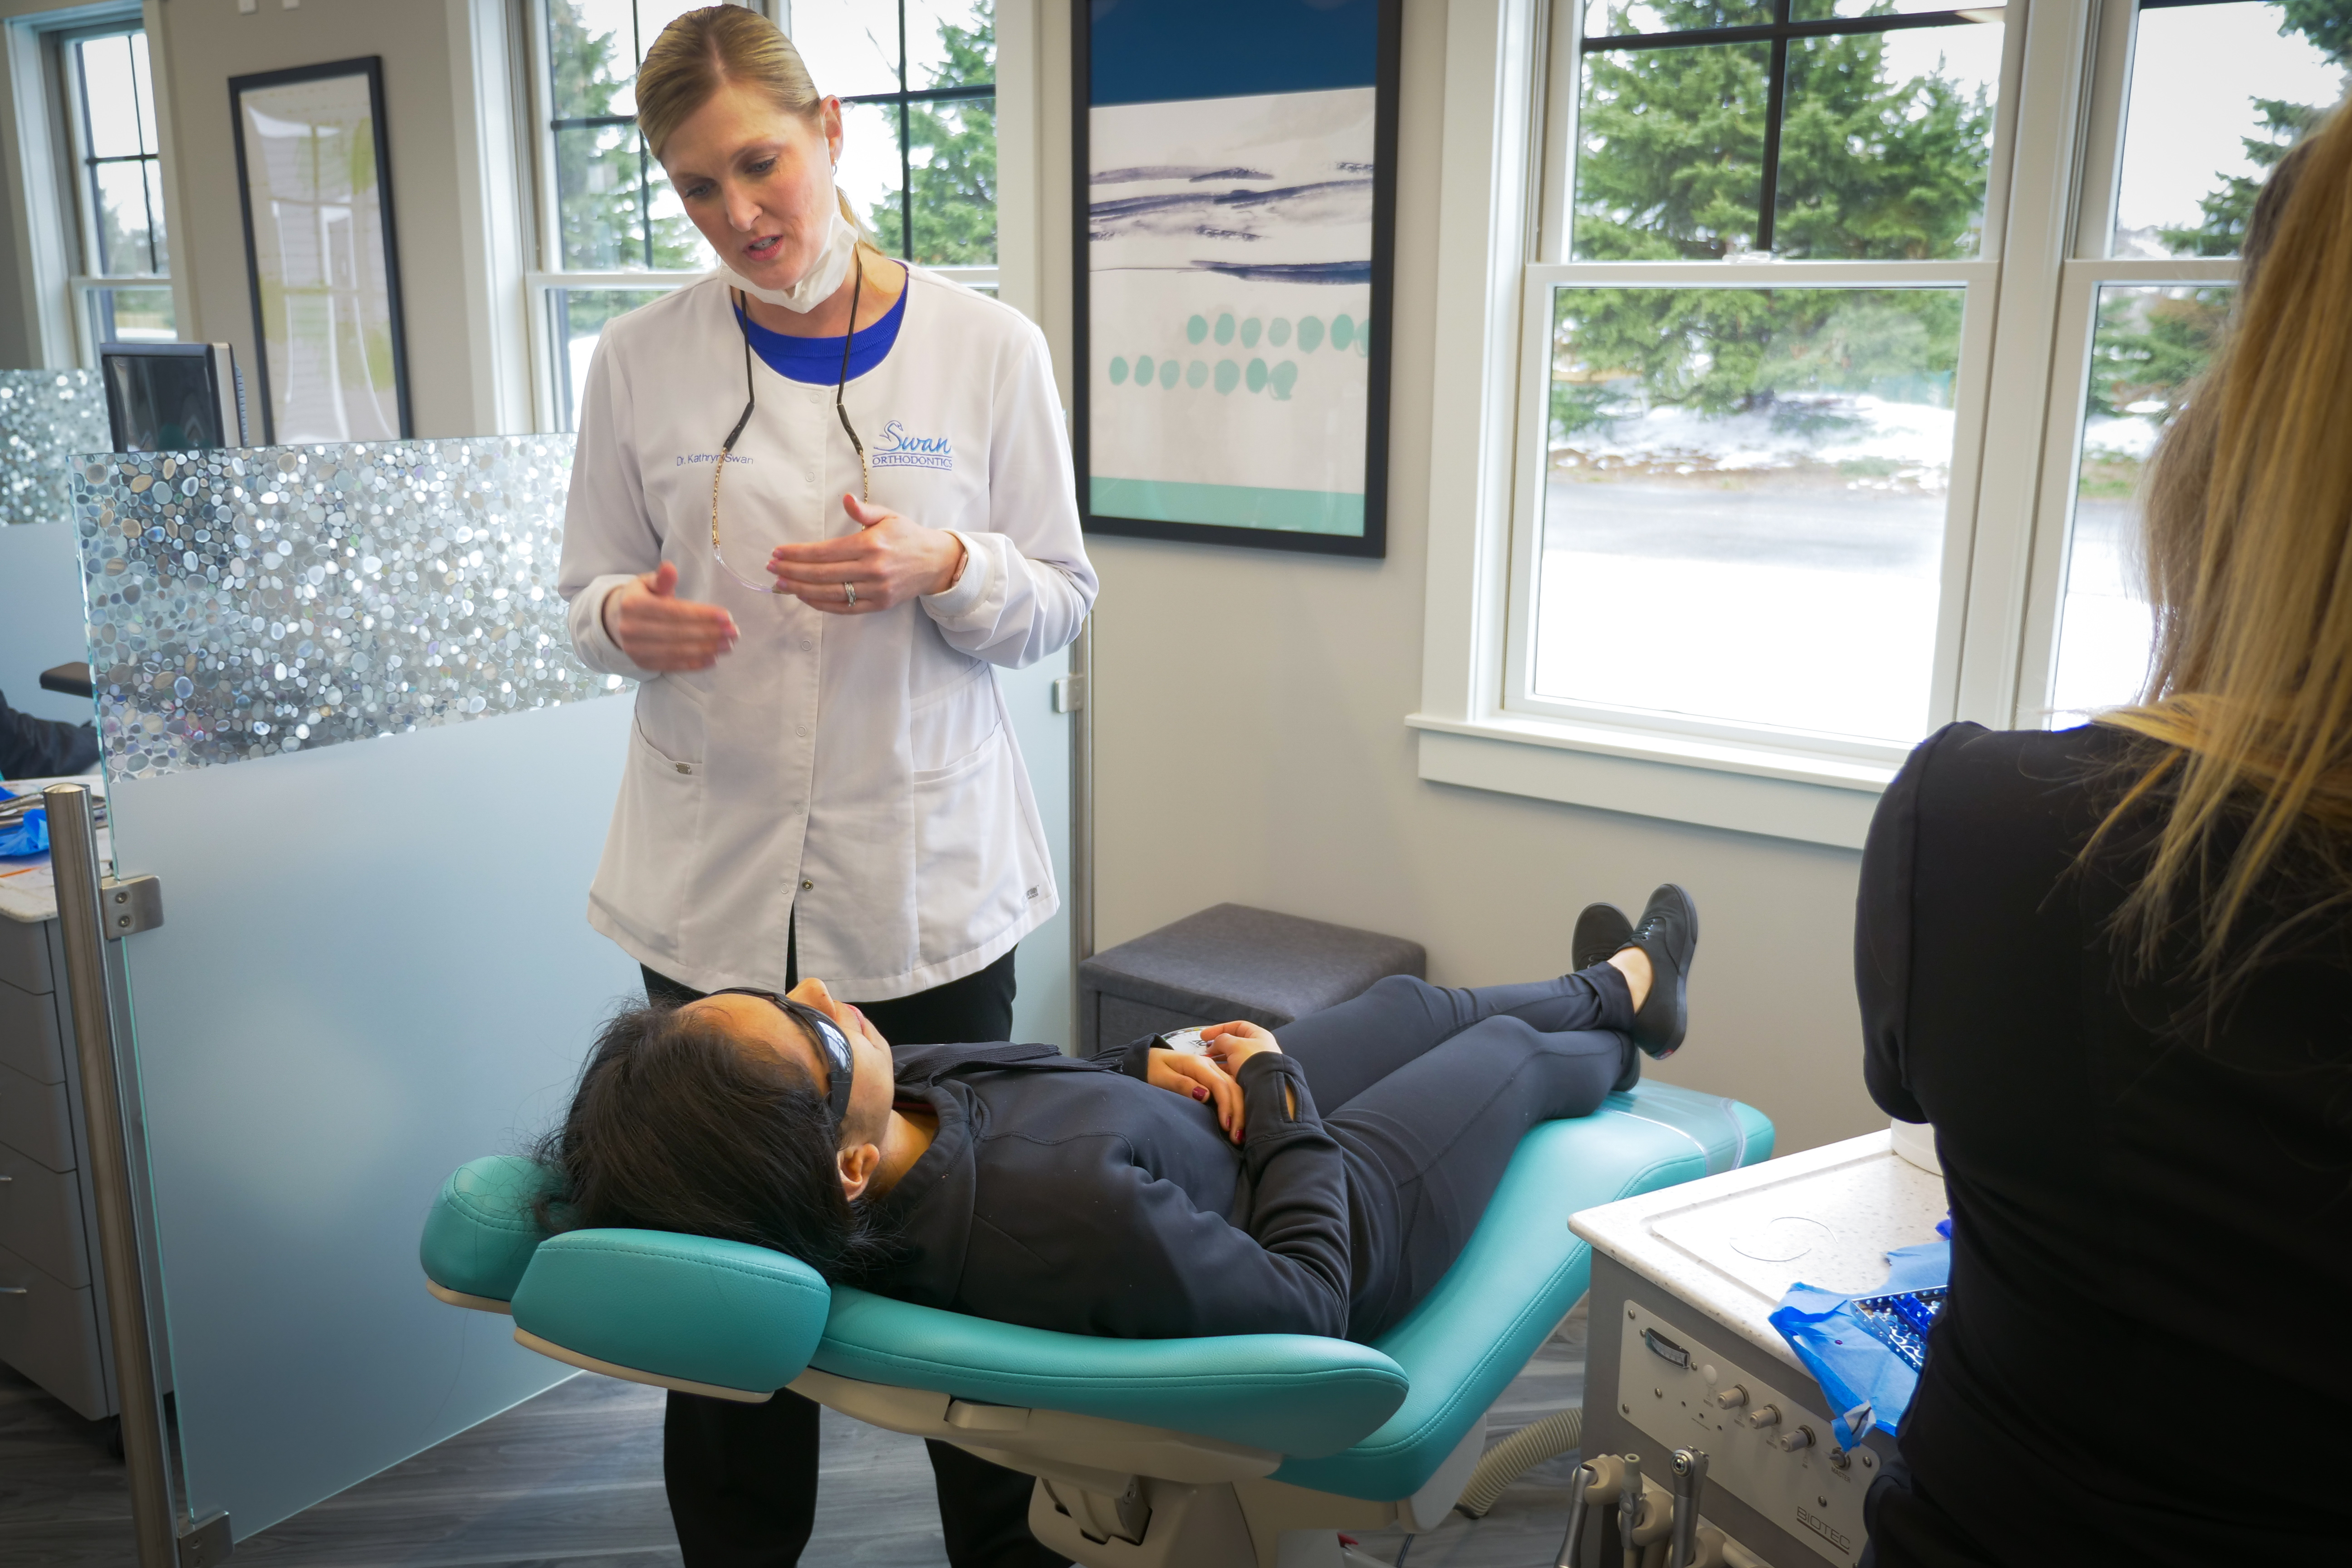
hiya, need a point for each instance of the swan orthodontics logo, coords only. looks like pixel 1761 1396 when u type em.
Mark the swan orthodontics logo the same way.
pixel 893 449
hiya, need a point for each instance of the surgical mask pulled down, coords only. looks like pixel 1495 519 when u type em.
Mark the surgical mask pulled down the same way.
pixel 818 283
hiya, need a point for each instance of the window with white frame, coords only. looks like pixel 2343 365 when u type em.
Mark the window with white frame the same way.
pixel 1788 293
pixel 918 155
pixel 123 289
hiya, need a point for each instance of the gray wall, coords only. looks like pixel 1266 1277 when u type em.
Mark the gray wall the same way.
pixel 1251 746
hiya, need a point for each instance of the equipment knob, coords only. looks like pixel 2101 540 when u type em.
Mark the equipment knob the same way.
pixel 1763 1417
pixel 1791 1442
pixel 1840 1459
pixel 1731 1398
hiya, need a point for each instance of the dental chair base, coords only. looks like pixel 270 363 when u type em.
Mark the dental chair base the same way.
pixel 1202 1453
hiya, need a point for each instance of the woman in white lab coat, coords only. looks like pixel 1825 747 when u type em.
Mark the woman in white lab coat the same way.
pixel 818 497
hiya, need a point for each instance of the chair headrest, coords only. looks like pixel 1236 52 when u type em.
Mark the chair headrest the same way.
pixel 722 1315
pixel 480 1233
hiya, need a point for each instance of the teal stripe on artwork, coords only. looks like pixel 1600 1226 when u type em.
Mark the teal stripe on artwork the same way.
pixel 1230 506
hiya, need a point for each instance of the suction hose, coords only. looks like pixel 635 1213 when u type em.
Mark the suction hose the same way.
pixel 1517 1454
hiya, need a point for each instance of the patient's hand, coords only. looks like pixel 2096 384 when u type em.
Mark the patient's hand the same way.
pixel 813 993
pixel 1182 1073
pixel 1230 1044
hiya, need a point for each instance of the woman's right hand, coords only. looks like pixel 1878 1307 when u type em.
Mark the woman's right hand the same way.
pixel 1180 1072
pixel 659 631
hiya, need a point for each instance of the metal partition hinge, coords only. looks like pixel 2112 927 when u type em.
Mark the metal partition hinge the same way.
pixel 1069 693
pixel 206 1542
pixel 129 905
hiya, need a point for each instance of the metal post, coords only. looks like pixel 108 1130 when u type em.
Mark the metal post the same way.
pixel 73 853
pixel 1082 798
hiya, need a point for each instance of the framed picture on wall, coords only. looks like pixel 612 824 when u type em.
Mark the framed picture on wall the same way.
pixel 1235 168
pixel 316 183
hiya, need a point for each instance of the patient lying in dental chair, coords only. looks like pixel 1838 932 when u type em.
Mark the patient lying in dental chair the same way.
pixel 1146 1193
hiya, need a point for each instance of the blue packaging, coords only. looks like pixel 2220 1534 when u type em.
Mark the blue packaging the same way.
pixel 1865 1380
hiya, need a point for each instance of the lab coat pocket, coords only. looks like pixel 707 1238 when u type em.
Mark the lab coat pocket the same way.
pixel 947 729
pixel 973 878
pixel 656 844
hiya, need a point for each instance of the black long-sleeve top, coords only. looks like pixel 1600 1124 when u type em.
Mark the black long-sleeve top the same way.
pixel 1072 1195
pixel 2145 1353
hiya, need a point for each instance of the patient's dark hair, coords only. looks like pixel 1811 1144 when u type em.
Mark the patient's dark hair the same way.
pixel 675 1126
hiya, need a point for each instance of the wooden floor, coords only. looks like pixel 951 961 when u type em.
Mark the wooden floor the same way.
pixel 573 1477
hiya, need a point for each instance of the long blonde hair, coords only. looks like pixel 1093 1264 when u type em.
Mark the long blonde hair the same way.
pixel 2248 536
pixel 701 51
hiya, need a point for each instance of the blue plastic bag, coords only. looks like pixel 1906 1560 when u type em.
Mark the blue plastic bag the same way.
pixel 1866 1381
pixel 27 835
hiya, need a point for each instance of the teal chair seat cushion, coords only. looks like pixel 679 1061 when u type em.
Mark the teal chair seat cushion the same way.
pixel 1522 1271
pixel 1293 1394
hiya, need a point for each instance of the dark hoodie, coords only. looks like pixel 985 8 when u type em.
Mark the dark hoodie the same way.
pixel 1072 1195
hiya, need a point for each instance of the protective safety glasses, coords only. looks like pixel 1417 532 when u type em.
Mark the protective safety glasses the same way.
pixel 751 401
pixel 841 1067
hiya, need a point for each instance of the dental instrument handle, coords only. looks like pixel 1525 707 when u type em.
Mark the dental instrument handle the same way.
pixel 1690 1486
pixel 1629 1510
pixel 1571 1545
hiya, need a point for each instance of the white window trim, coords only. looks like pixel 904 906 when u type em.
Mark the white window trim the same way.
pixel 2065 83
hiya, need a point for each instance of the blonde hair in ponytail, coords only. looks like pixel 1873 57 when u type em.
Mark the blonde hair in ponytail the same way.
pixel 702 51
pixel 2249 539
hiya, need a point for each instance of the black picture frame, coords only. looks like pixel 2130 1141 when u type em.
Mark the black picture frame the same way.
pixel 1374 541
pixel 369 67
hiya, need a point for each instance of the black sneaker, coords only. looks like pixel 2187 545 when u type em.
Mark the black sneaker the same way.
pixel 1601 931
pixel 1668 935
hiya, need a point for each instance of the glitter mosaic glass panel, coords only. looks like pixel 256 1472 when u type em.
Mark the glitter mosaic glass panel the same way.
pixel 244 603
pixel 48 417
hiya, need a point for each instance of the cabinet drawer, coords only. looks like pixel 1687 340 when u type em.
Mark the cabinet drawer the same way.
pixel 40 1216
pixel 35 1120
pixel 28 1034
pixel 50 1334
pixel 25 954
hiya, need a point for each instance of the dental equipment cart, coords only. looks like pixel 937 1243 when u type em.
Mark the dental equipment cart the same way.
pixel 1684 1356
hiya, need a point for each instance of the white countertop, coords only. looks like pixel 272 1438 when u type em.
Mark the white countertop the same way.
pixel 28 891
pixel 1732 1244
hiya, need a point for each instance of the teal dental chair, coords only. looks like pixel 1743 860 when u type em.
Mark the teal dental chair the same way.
pixel 1206 1453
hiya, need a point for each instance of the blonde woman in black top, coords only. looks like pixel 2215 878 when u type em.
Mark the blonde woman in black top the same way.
pixel 2113 966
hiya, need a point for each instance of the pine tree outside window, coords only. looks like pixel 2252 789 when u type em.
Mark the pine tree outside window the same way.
pixel 1759 343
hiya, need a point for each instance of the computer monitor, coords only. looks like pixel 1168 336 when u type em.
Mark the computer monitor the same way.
pixel 173 397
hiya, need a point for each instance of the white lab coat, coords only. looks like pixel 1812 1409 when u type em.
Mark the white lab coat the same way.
pixel 863 767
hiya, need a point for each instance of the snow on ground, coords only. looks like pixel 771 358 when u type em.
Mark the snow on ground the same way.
pixel 1907 441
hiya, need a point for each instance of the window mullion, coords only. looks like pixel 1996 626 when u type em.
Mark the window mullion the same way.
pixel 1776 94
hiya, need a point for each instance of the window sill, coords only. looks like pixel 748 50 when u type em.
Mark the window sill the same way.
pixel 1748 789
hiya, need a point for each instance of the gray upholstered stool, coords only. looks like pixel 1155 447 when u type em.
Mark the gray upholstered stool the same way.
pixel 1231 961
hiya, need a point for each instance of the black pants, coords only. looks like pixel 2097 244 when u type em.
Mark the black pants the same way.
pixel 1428 1091
pixel 742 1478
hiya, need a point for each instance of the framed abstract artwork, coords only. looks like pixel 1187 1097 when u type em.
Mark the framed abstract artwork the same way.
pixel 320 258
pixel 1235 169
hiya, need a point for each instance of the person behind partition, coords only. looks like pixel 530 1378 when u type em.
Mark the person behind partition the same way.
pixel 819 497
pixel 2113 966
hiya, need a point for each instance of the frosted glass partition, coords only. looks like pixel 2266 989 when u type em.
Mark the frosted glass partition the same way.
pixel 47 418
pixel 374 963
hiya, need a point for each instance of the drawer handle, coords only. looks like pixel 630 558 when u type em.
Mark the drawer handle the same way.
pixel 14 1291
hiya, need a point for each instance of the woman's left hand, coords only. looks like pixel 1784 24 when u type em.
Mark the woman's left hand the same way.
pixel 888 560
pixel 1180 1072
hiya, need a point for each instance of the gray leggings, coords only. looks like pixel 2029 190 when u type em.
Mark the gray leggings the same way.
pixel 1428 1089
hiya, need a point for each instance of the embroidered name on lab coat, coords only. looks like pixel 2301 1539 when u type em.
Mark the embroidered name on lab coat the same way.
pixel 897 449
